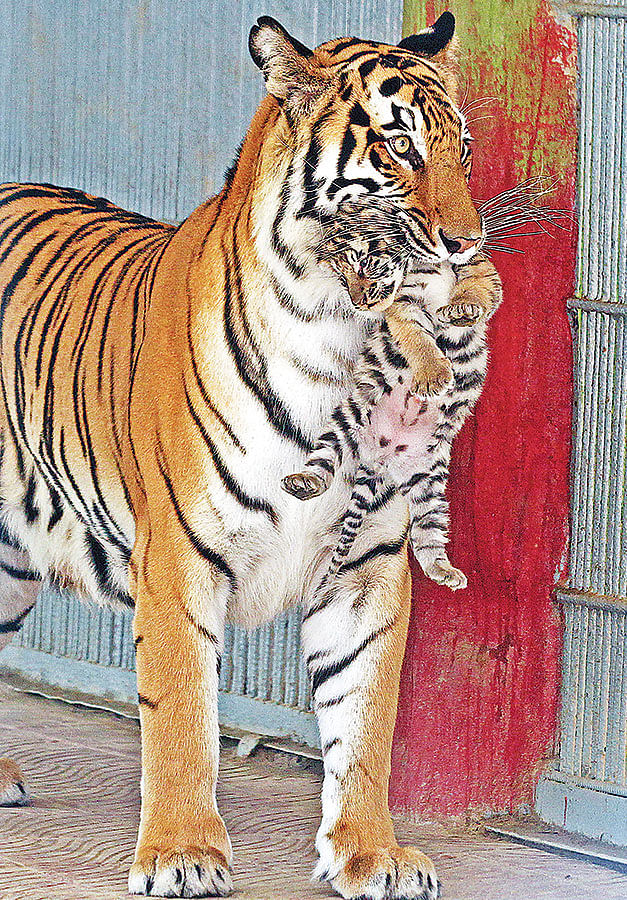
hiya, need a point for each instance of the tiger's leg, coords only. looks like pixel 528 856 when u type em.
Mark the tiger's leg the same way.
pixel 341 438
pixel 318 471
pixel 429 520
pixel 476 295
pixel 431 370
pixel 19 587
pixel 428 512
pixel 354 645
pixel 183 849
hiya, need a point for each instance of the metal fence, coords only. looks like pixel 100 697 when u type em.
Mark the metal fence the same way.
pixel 587 790
pixel 145 103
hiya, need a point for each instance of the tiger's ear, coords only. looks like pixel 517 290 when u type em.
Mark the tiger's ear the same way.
pixel 438 44
pixel 291 72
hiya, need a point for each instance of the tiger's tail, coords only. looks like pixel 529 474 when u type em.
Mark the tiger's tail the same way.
pixel 364 492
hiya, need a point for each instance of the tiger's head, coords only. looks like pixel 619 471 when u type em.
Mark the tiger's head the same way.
pixel 382 148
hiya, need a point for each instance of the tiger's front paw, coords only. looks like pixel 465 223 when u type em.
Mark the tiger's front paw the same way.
pixel 462 314
pixel 180 872
pixel 433 377
pixel 12 790
pixel 304 485
pixel 394 873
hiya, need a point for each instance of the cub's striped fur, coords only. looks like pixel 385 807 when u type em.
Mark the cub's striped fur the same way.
pixel 398 439
pixel 156 384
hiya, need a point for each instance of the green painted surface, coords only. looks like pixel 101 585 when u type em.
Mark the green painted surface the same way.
pixel 519 53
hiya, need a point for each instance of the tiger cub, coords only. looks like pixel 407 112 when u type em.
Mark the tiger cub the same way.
pixel 399 422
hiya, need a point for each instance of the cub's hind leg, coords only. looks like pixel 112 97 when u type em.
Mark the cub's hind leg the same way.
pixel 19 587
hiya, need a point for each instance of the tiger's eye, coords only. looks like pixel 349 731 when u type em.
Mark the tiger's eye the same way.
pixel 401 145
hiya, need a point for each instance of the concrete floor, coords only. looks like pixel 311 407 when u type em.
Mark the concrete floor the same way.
pixel 76 841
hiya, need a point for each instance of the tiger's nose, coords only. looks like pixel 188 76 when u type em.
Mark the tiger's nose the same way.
pixel 458 244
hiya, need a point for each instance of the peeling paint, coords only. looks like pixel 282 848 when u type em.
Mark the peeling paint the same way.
pixel 480 687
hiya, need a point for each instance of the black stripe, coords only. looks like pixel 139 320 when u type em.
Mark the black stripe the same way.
pixel 144 701
pixel 389 548
pixel 284 252
pixel 323 464
pixel 359 116
pixel 365 68
pixel 340 419
pixel 390 86
pixel 102 571
pixel 20 574
pixel 57 507
pixel 468 380
pixel 356 411
pixel 201 385
pixel 257 381
pixel 325 704
pixel 15 624
pixel 31 511
pixel 330 438
pixel 8 538
pixel 415 479
pixel 197 543
pixel 20 272
pixel 346 149
pixel 202 630
pixel 255 504
pixel 327 672
pixel 447 343
pixel 345 44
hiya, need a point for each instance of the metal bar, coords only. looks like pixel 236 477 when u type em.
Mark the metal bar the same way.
pixel 588 598
pixel 613 309
pixel 612 10
pixel 559 848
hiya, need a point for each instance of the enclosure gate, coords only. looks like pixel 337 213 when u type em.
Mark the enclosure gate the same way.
pixel 145 103
pixel 587 789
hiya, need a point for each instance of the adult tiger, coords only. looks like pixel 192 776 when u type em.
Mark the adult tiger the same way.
pixel 159 381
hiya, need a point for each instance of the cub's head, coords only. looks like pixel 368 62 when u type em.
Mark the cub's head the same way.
pixel 379 143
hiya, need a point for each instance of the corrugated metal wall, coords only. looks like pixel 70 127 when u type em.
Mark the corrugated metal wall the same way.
pixel 145 103
pixel 587 792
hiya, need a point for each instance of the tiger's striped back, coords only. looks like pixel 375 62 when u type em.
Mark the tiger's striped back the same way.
pixel 76 275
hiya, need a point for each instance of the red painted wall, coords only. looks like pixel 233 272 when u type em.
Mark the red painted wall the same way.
pixel 480 684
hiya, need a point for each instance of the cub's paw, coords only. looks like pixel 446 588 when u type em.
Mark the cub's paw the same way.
pixel 12 790
pixel 433 378
pixel 397 873
pixel 304 485
pixel 442 572
pixel 185 872
pixel 438 568
pixel 462 313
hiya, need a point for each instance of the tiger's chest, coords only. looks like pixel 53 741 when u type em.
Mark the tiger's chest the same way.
pixel 278 546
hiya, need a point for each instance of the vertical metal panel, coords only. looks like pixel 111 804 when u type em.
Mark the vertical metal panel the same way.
pixel 599 484
pixel 602 270
pixel 145 102
pixel 593 739
pixel 593 742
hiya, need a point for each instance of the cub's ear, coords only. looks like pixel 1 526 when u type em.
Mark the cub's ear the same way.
pixel 291 72
pixel 438 44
